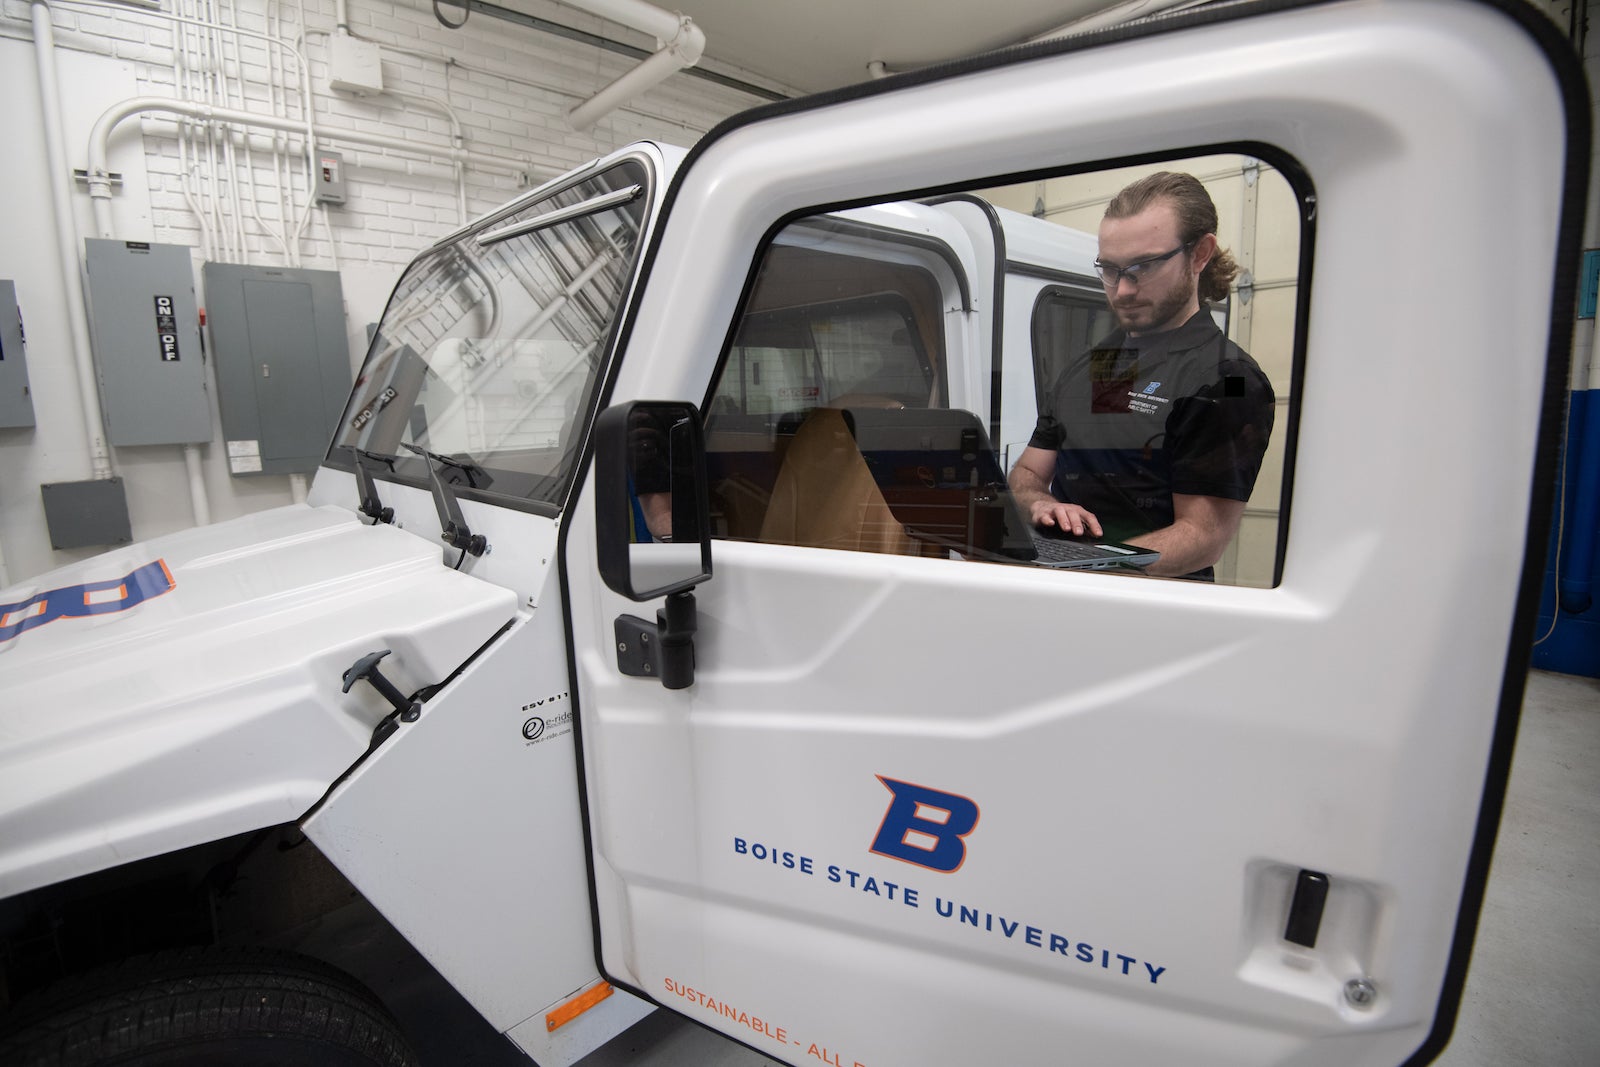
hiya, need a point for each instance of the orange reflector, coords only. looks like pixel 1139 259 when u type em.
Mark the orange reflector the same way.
pixel 577 1006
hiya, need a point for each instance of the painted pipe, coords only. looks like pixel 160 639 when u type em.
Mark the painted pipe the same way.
pixel 199 499
pixel 457 138
pixel 100 136
pixel 681 47
pixel 658 22
pixel 44 43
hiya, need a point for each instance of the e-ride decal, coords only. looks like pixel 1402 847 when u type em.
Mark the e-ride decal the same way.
pixel 925 826
pixel 90 598
pixel 549 723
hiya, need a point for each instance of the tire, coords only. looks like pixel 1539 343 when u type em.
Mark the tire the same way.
pixel 205 1007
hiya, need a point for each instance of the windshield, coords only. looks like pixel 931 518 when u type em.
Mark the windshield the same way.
pixel 491 345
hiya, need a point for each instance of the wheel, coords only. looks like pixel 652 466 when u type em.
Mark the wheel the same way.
pixel 203 1008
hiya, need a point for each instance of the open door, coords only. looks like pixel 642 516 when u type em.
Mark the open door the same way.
pixel 920 807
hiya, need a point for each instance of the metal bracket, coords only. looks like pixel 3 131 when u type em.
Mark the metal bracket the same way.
pixel 662 649
pixel 81 176
pixel 638 644
pixel 1245 287
pixel 1252 170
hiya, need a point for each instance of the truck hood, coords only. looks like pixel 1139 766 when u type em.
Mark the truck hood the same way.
pixel 189 687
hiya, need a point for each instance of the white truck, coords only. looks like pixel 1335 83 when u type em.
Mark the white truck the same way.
pixel 846 798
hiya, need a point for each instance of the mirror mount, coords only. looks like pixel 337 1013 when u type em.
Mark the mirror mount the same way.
pixel 662 649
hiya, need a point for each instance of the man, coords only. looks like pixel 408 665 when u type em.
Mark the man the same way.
pixel 1155 435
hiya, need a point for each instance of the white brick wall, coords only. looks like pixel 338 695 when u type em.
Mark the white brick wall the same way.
pixel 509 85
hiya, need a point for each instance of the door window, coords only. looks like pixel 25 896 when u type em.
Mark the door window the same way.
pixel 857 401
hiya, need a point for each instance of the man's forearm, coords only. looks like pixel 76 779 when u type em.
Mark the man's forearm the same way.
pixel 1184 550
pixel 1201 528
pixel 1027 487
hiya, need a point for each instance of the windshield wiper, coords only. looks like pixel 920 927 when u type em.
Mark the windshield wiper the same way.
pixel 453 525
pixel 371 506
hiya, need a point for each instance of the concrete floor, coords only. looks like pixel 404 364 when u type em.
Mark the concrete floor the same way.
pixel 1530 998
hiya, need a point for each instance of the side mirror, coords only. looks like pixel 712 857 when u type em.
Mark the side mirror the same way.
pixel 651 509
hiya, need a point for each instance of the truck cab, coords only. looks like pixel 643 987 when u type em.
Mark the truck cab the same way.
pixel 853 788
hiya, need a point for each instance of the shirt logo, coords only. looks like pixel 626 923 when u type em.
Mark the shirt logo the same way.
pixel 1151 388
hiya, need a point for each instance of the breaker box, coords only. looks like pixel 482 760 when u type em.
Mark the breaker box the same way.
pixel 146 329
pixel 283 363
pixel 330 178
pixel 88 513
pixel 16 402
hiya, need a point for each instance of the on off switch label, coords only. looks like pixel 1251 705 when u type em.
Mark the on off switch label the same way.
pixel 167 329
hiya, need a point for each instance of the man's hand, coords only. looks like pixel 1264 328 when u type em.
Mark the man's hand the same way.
pixel 1030 486
pixel 1069 518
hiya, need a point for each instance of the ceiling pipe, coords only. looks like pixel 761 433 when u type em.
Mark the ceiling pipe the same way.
pixel 1113 16
pixel 681 44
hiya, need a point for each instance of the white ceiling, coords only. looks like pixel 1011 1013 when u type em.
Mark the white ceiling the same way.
pixel 814 45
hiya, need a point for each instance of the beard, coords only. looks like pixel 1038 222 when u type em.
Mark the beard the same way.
pixel 1155 311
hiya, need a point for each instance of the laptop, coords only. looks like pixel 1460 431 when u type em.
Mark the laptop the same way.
pixel 942 480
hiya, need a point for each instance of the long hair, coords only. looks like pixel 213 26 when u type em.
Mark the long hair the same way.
pixel 1197 216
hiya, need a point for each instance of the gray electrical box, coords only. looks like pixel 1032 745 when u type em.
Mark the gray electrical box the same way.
pixel 283 363
pixel 16 403
pixel 330 178
pixel 83 514
pixel 146 330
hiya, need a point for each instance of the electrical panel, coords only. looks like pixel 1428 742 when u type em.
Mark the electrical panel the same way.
pixel 146 329
pixel 354 65
pixel 330 178
pixel 16 403
pixel 88 513
pixel 283 363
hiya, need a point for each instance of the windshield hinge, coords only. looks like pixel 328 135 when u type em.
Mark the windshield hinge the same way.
pixel 453 528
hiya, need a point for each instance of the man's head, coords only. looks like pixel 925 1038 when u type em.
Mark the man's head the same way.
pixel 1158 245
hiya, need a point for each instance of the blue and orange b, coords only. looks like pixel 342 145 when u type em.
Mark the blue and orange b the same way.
pixel 90 598
pixel 925 826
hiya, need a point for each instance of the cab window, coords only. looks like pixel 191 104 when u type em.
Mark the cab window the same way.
pixel 862 394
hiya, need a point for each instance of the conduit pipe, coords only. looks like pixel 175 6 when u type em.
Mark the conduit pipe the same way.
pixel 44 43
pixel 199 500
pixel 100 136
pixel 457 138
pixel 681 45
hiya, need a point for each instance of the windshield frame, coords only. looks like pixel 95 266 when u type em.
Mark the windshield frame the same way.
pixel 413 472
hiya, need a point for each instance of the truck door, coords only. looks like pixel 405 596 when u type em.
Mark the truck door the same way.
pixel 920 809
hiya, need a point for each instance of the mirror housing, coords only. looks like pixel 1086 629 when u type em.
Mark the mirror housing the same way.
pixel 652 516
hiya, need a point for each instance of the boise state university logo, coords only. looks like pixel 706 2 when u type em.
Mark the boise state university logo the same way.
pixel 925 826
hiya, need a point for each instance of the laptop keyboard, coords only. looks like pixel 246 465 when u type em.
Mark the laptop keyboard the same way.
pixel 1059 550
